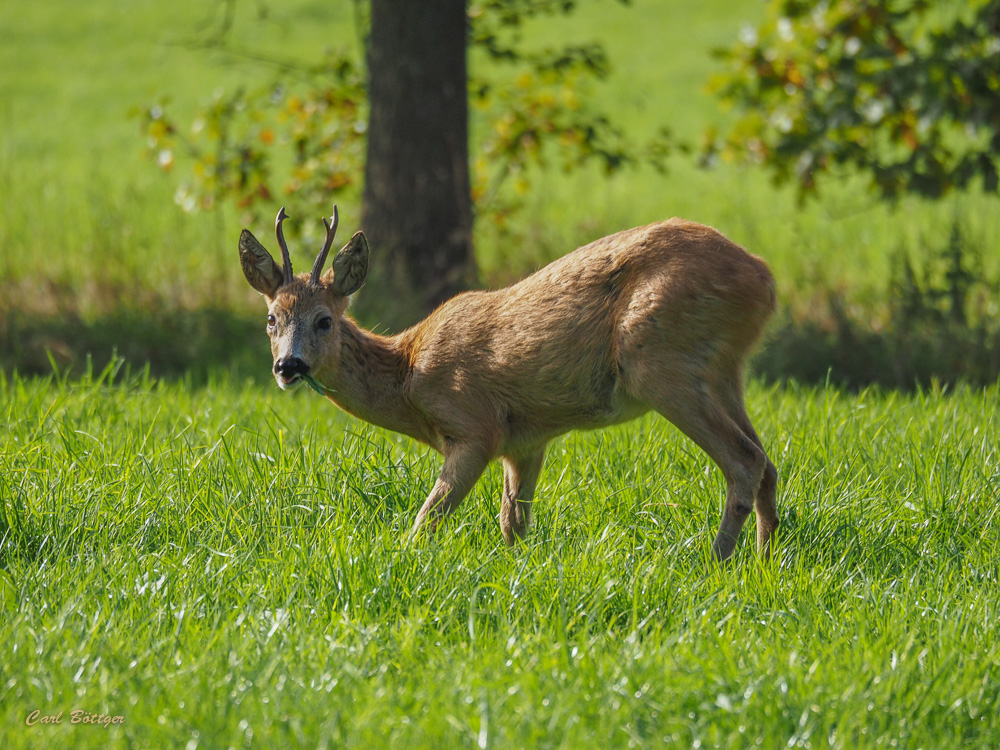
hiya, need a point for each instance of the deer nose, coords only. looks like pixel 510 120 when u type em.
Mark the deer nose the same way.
pixel 290 368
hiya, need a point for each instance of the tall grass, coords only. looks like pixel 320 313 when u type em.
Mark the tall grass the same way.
pixel 224 566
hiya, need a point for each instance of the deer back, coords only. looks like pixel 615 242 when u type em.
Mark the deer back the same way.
pixel 557 350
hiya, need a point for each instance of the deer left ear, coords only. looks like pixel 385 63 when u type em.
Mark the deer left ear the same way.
pixel 261 271
pixel 350 267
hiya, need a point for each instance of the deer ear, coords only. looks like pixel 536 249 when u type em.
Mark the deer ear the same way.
pixel 259 267
pixel 350 267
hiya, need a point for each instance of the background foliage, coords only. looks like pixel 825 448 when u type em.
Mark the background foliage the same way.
pixel 124 265
pixel 905 93
pixel 534 100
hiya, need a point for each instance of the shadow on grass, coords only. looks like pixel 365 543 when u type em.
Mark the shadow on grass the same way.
pixel 174 343
pixel 828 345
pixel 831 346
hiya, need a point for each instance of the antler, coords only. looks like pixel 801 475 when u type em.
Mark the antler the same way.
pixel 286 260
pixel 331 231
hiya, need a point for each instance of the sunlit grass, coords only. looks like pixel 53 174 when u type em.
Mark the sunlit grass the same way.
pixel 227 562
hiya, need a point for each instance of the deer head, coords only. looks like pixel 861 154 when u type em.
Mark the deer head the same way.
pixel 304 313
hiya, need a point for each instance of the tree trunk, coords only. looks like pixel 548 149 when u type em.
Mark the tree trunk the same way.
pixel 417 210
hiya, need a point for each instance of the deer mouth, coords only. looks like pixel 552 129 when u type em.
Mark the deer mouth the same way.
pixel 288 382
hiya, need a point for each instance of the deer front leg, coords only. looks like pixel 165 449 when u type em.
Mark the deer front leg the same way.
pixel 520 475
pixel 463 465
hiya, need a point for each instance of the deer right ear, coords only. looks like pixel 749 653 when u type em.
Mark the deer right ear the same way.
pixel 262 273
pixel 350 266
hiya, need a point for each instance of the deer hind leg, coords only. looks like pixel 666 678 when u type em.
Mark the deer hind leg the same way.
pixel 765 499
pixel 700 415
pixel 520 476
pixel 463 465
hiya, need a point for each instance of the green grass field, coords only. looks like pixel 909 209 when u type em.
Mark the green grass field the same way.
pixel 222 565
pixel 225 567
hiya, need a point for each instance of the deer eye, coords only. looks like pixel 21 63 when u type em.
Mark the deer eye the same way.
pixel 325 323
pixel 270 321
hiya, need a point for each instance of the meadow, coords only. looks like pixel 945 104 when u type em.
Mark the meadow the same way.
pixel 225 567
pixel 221 564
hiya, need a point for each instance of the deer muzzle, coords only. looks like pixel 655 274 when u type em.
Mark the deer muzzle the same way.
pixel 288 370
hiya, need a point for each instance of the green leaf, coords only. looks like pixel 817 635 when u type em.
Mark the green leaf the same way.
pixel 321 389
pixel 8 592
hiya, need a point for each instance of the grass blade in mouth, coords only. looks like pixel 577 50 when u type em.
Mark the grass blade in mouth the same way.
pixel 321 389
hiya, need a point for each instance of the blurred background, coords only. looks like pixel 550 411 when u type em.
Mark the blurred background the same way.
pixel 853 146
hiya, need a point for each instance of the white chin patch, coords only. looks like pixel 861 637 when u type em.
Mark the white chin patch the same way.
pixel 287 385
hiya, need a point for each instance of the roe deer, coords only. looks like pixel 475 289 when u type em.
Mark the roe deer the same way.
pixel 658 317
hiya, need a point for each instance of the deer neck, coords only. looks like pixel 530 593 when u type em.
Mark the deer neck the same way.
pixel 370 382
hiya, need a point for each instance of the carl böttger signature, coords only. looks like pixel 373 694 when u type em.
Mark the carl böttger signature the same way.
pixel 76 716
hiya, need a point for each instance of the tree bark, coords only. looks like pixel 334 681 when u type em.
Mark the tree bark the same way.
pixel 417 210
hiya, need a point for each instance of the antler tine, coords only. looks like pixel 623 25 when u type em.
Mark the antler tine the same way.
pixel 331 231
pixel 286 260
